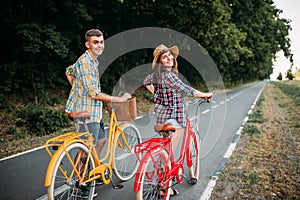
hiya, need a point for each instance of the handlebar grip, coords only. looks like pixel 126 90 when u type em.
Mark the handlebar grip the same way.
pixel 208 99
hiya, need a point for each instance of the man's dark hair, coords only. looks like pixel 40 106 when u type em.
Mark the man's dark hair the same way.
pixel 92 32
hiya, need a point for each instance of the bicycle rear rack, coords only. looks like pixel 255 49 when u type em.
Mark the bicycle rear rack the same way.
pixel 150 145
pixel 54 143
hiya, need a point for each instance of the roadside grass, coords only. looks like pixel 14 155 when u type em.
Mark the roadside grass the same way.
pixel 265 163
pixel 16 138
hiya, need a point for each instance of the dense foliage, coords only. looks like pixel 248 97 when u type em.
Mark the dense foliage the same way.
pixel 41 38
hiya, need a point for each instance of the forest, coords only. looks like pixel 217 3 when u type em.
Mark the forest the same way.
pixel 41 38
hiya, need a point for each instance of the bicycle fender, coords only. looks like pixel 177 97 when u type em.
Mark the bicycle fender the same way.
pixel 53 161
pixel 139 174
pixel 51 165
pixel 142 167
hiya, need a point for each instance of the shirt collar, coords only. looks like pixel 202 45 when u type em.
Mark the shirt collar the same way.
pixel 94 62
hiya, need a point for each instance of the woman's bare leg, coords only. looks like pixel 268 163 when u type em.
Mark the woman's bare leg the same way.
pixel 176 136
pixel 99 146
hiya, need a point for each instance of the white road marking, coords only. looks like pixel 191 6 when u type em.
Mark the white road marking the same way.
pixel 212 183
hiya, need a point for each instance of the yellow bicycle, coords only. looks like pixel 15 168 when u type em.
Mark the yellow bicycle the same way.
pixel 74 167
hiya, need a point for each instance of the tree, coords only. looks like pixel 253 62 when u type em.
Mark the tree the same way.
pixel 279 77
pixel 267 34
pixel 43 44
pixel 289 74
pixel 208 22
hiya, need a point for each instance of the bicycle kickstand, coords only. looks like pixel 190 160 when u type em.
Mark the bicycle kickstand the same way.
pixel 118 186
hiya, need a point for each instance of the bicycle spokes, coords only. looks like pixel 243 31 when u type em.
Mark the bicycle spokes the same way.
pixel 154 176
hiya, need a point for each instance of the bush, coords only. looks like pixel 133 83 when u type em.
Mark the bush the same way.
pixel 43 120
pixel 16 133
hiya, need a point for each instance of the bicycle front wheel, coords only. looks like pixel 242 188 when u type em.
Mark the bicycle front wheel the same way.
pixel 125 160
pixel 65 182
pixel 156 165
pixel 193 157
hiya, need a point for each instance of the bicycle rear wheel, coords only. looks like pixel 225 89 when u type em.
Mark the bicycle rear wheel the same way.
pixel 194 152
pixel 65 182
pixel 154 168
pixel 125 161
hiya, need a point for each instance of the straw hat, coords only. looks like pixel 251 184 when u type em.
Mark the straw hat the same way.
pixel 162 49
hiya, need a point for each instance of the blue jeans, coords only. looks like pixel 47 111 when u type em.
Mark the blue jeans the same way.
pixel 96 129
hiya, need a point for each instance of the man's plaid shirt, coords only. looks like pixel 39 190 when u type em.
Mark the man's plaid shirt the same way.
pixel 86 85
pixel 168 97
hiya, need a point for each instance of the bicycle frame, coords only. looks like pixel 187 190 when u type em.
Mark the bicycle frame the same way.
pixel 113 134
pixel 63 141
pixel 157 144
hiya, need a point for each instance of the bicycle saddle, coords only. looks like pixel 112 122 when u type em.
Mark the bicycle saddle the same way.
pixel 79 115
pixel 164 127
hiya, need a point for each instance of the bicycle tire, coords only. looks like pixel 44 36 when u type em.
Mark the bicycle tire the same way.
pixel 195 154
pixel 66 186
pixel 155 165
pixel 125 160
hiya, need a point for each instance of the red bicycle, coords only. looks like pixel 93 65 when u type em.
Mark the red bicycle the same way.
pixel 158 169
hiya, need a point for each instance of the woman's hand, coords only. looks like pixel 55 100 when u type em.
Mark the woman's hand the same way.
pixel 204 95
pixel 208 97
pixel 150 88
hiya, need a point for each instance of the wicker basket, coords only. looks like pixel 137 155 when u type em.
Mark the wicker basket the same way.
pixel 125 111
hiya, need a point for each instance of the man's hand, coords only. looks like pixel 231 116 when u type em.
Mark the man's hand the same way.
pixel 125 96
pixel 70 78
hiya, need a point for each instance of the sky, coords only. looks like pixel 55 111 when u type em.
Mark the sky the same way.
pixel 291 11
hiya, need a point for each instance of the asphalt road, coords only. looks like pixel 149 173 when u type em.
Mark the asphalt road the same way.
pixel 22 176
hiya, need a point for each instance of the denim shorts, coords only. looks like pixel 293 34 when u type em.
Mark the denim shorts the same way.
pixel 96 129
pixel 174 123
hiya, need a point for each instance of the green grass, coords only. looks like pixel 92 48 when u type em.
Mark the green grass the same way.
pixel 257 115
pixel 291 89
pixel 250 130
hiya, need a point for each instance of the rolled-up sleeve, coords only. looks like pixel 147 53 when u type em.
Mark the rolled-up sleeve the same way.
pixel 148 80
pixel 180 86
pixel 71 71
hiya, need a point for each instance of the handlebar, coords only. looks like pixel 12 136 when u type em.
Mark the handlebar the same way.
pixel 196 102
pixel 199 101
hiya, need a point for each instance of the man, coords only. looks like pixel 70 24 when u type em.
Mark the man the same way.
pixel 86 93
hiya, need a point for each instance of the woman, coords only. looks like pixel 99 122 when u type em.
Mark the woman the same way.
pixel 168 91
